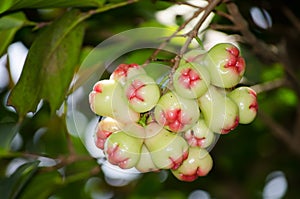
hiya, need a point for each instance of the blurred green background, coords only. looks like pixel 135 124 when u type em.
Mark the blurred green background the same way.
pixel 45 154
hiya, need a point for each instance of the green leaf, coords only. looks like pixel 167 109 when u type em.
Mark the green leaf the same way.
pixel 20 4
pixel 12 186
pixel 42 185
pixel 9 25
pixel 8 131
pixel 5 5
pixel 50 65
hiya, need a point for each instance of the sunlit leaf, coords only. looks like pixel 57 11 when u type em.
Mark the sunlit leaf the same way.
pixel 50 65
pixel 17 4
pixel 9 25
pixel 12 186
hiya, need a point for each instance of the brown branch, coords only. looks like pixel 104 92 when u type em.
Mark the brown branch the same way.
pixel 296 128
pixel 293 19
pixel 259 47
pixel 271 85
pixel 280 132
pixel 224 27
pixel 224 14
pixel 291 74
pixel 192 34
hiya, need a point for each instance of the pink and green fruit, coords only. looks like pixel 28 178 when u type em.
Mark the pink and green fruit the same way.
pixel 246 99
pixel 220 113
pixel 194 56
pixel 198 163
pixel 168 150
pixel 176 113
pixel 145 163
pixel 199 135
pixel 142 93
pixel 191 80
pixel 141 130
pixel 104 129
pixel 123 150
pixel 225 65
pixel 107 99
pixel 126 71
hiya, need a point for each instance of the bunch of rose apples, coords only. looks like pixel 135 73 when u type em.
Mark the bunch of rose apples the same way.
pixel 153 128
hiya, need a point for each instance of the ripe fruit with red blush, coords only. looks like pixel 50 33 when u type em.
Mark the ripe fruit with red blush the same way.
pixel 142 93
pixel 246 99
pixel 191 80
pixel 123 150
pixel 104 129
pixel 176 113
pixel 198 163
pixel 126 71
pixel 107 99
pixel 225 65
pixel 199 135
pixel 168 150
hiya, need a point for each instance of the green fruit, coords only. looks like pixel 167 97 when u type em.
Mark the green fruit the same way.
pixel 145 163
pixel 142 93
pixel 126 71
pixel 198 163
pixel 246 100
pixel 123 150
pixel 176 113
pixel 191 80
pixel 199 135
pixel 220 113
pixel 140 131
pixel 107 99
pixel 167 150
pixel 225 65
pixel 194 56
pixel 104 129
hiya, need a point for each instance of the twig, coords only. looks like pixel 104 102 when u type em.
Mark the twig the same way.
pixel 193 33
pixel 167 40
pixel 259 47
pixel 271 85
pixel 224 27
pixel 186 3
pixel 280 132
pixel 290 15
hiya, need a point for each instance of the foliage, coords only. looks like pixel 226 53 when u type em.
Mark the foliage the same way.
pixel 44 153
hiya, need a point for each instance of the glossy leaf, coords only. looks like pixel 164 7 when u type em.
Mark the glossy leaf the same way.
pixel 17 4
pixel 7 132
pixel 9 25
pixel 42 185
pixel 50 65
pixel 12 186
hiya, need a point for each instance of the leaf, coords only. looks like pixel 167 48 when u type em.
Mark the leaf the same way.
pixel 9 25
pixel 20 4
pixel 8 131
pixel 50 65
pixel 42 185
pixel 11 187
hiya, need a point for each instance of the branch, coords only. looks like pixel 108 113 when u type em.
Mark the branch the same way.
pixel 271 85
pixel 280 132
pixel 259 47
pixel 293 19
pixel 181 27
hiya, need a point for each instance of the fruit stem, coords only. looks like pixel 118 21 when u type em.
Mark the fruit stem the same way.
pixel 267 86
